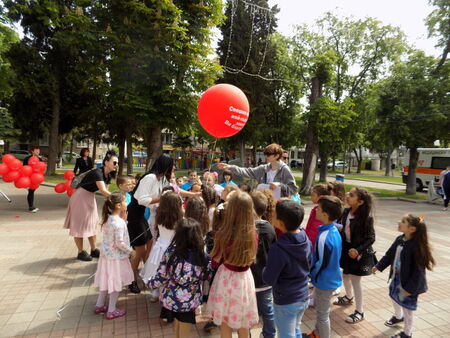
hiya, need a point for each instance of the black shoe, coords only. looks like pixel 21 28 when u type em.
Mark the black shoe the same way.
pixel 134 288
pixel 209 326
pixel 84 256
pixel 95 253
pixel 393 321
pixel 401 335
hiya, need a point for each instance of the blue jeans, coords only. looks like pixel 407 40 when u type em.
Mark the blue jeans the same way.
pixel 265 309
pixel 288 319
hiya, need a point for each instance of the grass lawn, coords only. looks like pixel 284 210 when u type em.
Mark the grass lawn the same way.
pixel 387 179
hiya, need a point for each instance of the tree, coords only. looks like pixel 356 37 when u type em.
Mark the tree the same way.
pixel 438 22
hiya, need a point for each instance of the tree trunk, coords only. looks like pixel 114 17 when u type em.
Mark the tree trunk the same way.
pixel 387 170
pixel 359 159
pixel 154 145
pixel 6 146
pixel 54 130
pixel 129 155
pixel 71 143
pixel 411 181
pixel 312 143
pixel 94 148
pixel 323 167
pixel 242 151
pixel 121 145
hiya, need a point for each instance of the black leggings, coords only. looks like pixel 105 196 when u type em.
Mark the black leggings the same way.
pixel 447 196
pixel 30 198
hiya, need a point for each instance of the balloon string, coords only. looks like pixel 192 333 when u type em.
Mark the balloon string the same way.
pixel 212 155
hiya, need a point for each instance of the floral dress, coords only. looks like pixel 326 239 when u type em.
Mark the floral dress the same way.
pixel 180 284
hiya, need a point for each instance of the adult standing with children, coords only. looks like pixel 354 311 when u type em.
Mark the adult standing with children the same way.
pixel 84 162
pixel 275 173
pixel 82 215
pixel 34 151
pixel 147 193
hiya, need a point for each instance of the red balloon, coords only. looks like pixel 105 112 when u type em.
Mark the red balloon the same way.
pixel 70 191
pixel 69 174
pixel 22 182
pixel 34 186
pixel 67 183
pixel 40 167
pixel 11 176
pixel 15 164
pixel 60 188
pixel 3 169
pixel 223 110
pixel 7 158
pixel 33 160
pixel 36 178
pixel 26 171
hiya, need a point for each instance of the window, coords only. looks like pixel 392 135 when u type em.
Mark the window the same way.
pixel 292 154
pixel 440 162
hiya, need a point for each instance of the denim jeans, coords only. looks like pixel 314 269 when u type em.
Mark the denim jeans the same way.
pixel 264 300
pixel 288 319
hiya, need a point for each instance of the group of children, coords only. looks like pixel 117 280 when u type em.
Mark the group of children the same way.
pixel 248 256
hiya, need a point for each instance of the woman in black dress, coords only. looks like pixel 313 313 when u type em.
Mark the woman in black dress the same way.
pixel 84 163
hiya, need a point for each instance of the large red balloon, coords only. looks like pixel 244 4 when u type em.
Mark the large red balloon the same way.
pixel 14 164
pixel 223 110
pixel 22 182
pixel 7 158
pixel 34 186
pixel 11 176
pixel 60 188
pixel 3 169
pixel 40 167
pixel 70 191
pixel 26 170
pixel 69 174
pixel 33 160
pixel 36 178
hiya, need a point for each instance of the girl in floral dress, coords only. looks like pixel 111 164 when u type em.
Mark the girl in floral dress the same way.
pixel 180 275
pixel 232 298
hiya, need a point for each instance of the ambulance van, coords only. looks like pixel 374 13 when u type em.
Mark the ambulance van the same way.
pixel 429 165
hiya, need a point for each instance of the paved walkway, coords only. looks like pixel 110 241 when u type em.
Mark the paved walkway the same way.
pixel 39 275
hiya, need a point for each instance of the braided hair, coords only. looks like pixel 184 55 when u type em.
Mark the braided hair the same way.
pixel 110 204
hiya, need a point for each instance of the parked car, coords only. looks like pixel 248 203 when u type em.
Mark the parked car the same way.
pixel 337 165
pixel 70 157
pixel 19 154
pixel 296 164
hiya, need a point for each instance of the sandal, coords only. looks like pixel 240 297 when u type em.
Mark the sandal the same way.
pixel 343 301
pixel 393 321
pixel 115 314
pixel 401 335
pixel 355 317
pixel 100 309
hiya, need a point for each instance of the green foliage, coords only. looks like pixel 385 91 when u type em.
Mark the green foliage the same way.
pixel 438 22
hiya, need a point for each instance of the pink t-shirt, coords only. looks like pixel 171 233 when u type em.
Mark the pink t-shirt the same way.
pixel 312 227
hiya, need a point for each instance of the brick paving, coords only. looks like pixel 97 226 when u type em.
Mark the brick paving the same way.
pixel 39 275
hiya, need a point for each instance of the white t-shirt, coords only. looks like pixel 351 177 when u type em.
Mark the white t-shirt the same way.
pixel 347 227
pixel 149 188
pixel 271 175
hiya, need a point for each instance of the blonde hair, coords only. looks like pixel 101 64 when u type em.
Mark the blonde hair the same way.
pixel 235 241
pixel 269 215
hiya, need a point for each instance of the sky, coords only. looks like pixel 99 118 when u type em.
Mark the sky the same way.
pixel 409 15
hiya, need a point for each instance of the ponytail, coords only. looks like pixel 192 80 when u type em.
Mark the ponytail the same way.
pixel 110 203
pixel 423 256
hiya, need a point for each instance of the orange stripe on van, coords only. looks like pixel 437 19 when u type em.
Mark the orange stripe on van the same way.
pixel 428 171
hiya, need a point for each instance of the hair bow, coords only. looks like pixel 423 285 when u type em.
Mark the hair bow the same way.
pixel 421 218
pixel 210 172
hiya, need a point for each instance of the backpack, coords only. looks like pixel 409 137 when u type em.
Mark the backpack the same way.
pixel 76 181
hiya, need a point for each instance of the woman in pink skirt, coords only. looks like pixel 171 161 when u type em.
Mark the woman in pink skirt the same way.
pixel 82 216
pixel 232 298
pixel 114 268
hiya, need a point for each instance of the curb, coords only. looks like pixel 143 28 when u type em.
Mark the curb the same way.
pixel 382 182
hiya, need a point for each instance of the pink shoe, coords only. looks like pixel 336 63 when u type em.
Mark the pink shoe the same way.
pixel 100 309
pixel 115 314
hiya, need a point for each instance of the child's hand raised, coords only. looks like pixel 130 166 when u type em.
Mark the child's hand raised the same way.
pixel 374 269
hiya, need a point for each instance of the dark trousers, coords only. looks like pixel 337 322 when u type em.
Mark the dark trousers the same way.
pixel 30 198
pixel 446 196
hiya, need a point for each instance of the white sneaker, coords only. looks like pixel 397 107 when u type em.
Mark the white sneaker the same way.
pixel 445 209
pixel 337 291
pixel 33 210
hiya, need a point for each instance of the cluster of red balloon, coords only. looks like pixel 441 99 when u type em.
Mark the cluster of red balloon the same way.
pixel 24 176
pixel 65 187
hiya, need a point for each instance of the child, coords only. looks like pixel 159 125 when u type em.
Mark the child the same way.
pixel 226 191
pixel 211 180
pixel 337 188
pixel 210 198
pixel 168 213
pixel 408 256
pixel 114 268
pixel 269 214
pixel 358 257
pixel 125 185
pixel 287 269
pixel 227 177
pixel 193 178
pixel 266 237
pixel 232 300
pixel 325 273
pixel 183 268
pixel 196 209
pixel 180 181
pixel 245 188
pixel 312 227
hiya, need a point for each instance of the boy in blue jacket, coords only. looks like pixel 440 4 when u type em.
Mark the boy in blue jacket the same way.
pixel 325 272
pixel 287 269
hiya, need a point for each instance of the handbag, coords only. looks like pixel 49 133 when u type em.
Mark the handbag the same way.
pixel 76 181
